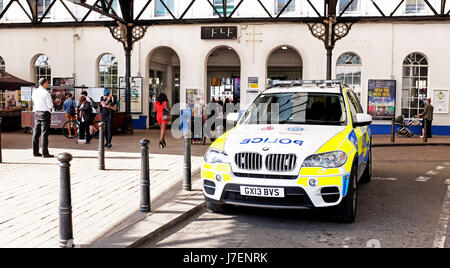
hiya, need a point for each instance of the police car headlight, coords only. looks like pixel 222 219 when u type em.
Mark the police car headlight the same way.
pixel 215 156
pixel 326 160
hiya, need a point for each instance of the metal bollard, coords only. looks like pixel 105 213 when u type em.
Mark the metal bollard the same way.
pixel 65 203
pixel 393 130
pixel 145 176
pixel 425 130
pixel 1 160
pixel 187 182
pixel 101 146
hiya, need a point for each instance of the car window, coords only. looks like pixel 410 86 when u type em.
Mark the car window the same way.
pixel 358 106
pixel 297 108
pixel 353 106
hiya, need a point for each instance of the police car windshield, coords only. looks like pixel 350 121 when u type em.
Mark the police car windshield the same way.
pixel 297 108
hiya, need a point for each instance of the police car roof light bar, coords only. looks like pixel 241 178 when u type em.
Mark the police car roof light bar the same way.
pixel 290 83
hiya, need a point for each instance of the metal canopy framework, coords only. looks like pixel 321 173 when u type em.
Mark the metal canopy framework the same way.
pixel 128 24
pixel 125 13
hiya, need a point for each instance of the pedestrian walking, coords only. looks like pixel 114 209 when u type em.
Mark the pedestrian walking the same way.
pixel 94 106
pixel 70 110
pixel 163 117
pixel 108 107
pixel 427 116
pixel 42 107
pixel 85 118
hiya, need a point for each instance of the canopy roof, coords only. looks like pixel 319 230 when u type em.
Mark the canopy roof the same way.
pixel 134 12
pixel 11 82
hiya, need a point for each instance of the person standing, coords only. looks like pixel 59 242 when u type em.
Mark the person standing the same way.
pixel 108 107
pixel 69 108
pixel 94 106
pixel 427 116
pixel 42 107
pixel 85 118
pixel 162 108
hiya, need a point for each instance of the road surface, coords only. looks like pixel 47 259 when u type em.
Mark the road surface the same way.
pixel 406 205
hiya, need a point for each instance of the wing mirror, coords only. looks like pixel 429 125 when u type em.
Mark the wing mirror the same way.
pixel 362 120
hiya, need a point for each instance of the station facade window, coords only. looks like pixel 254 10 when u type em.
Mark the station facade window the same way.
pixel 161 10
pixel 348 70
pixel 354 6
pixel 218 4
pixel 1 5
pixel 415 84
pixel 42 69
pixel 108 68
pixel 280 4
pixel 2 64
pixel 42 6
pixel 415 6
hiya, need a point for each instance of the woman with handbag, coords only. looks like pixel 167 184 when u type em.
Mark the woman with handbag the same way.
pixel 163 116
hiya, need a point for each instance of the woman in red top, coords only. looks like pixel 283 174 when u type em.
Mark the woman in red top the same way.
pixel 161 104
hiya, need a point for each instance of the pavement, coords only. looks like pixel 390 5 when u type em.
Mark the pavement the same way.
pixel 104 202
pixel 385 141
pixel 406 205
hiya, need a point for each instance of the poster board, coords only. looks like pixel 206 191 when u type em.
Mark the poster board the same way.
pixel 136 94
pixel 26 93
pixel 440 101
pixel 253 83
pixel 381 99
pixel 12 100
pixel 63 82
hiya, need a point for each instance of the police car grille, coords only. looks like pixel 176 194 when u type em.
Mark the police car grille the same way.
pixel 281 162
pixel 248 161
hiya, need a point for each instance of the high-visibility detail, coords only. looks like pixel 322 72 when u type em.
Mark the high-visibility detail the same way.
pixel 330 181
pixel 345 183
pixel 217 167
pixel 207 174
pixel 318 171
pixel 220 142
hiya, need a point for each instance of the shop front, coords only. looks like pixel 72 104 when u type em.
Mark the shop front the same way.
pixel 11 103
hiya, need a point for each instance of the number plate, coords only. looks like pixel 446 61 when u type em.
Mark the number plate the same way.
pixel 262 191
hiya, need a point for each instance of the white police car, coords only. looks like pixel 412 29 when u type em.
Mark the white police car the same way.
pixel 301 144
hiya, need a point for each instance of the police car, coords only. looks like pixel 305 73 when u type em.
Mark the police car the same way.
pixel 300 145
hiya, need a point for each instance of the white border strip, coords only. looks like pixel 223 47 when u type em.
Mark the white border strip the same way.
pixel 439 240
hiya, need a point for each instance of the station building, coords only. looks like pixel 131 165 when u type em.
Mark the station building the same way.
pixel 181 59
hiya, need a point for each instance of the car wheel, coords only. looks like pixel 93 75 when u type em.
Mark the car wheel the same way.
pixel 367 175
pixel 346 210
pixel 216 207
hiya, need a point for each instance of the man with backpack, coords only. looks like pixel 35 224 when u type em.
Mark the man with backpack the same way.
pixel 69 108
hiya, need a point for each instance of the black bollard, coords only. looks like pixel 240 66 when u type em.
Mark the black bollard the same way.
pixel 1 160
pixel 145 176
pixel 393 130
pixel 101 146
pixel 187 184
pixel 65 203
pixel 425 130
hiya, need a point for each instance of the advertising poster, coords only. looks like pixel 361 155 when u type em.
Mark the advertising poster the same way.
pixel 63 81
pixel 12 100
pixel 26 93
pixel 136 94
pixel 253 83
pixel 381 99
pixel 440 101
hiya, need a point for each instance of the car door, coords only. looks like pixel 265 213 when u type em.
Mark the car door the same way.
pixel 361 132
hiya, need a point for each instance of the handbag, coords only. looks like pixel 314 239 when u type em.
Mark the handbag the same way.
pixel 166 115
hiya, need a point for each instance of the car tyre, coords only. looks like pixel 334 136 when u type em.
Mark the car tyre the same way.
pixel 367 175
pixel 346 210
pixel 216 207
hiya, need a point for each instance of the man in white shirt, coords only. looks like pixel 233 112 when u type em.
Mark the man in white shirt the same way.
pixel 42 107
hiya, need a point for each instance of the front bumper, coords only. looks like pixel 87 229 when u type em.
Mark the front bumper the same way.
pixel 221 185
